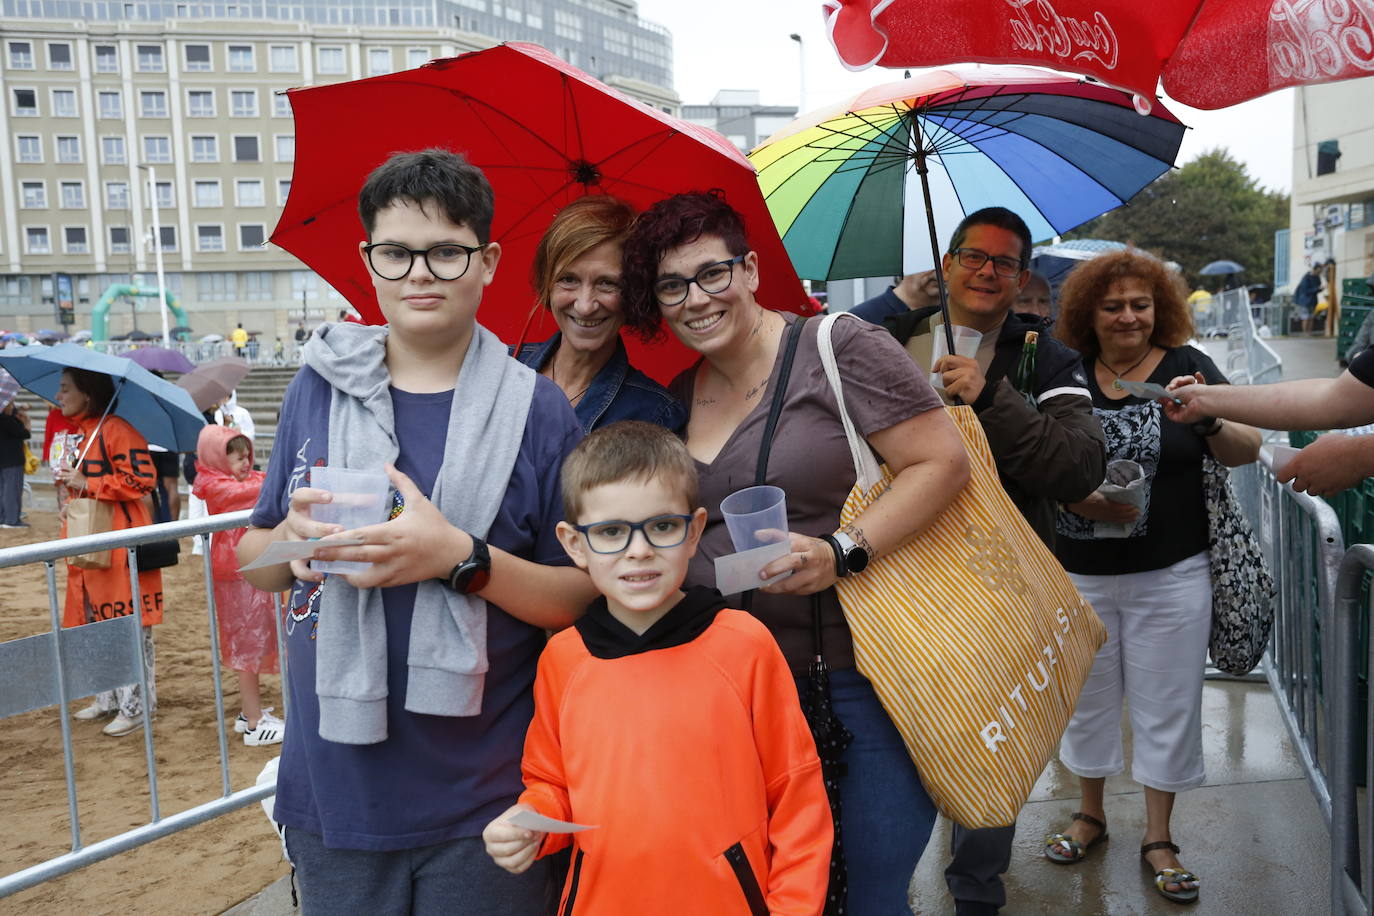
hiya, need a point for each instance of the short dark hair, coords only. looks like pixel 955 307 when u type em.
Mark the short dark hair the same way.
pixel 238 445
pixel 669 223
pixel 628 450
pixel 98 387
pixel 1088 284
pixel 1000 217
pixel 457 187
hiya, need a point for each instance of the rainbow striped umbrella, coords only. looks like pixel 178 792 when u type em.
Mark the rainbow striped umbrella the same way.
pixel 1055 149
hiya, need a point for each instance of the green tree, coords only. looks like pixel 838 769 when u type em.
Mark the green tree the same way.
pixel 1205 211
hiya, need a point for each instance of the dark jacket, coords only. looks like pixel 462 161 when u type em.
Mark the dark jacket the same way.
pixel 13 435
pixel 619 391
pixel 1047 456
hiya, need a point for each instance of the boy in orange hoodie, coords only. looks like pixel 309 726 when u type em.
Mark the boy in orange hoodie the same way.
pixel 666 720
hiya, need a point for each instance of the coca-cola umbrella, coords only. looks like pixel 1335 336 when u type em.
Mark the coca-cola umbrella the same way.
pixel 545 134
pixel 1208 53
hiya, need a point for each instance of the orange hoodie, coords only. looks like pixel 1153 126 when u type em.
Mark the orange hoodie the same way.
pixel 694 762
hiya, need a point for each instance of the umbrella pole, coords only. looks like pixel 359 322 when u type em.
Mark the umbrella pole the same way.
pixel 921 169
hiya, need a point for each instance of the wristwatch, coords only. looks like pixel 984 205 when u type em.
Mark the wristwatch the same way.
pixel 473 574
pixel 850 558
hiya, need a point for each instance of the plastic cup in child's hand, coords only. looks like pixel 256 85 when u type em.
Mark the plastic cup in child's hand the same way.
pixel 358 498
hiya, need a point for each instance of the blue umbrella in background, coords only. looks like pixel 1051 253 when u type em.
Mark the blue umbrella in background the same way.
pixel 1221 269
pixel 162 412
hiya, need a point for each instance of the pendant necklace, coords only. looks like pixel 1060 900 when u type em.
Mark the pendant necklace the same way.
pixel 553 376
pixel 1117 382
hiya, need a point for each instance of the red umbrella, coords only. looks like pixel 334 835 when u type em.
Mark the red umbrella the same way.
pixel 1209 53
pixel 544 133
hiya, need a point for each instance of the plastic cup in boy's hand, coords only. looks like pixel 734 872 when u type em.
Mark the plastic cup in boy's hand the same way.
pixel 358 498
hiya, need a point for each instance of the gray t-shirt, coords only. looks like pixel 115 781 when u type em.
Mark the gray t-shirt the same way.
pixel 810 461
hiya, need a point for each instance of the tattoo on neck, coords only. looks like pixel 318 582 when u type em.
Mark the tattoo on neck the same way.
pixel 703 402
pixel 758 326
pixel 857 533
pixel 754 392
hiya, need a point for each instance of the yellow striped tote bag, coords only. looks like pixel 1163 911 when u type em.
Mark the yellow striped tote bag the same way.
pixel 972 634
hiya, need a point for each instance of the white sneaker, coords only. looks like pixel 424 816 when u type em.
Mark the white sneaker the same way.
pixel 123 725
pixel 270 730
pixel 92 712
pixel 241 723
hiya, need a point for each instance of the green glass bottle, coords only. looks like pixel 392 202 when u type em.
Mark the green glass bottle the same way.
pixel 1024 380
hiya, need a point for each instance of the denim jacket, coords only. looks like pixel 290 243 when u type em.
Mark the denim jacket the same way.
pixel 619 391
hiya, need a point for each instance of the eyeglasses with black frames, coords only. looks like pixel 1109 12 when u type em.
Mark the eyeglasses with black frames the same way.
pixel 713 278
pixel 446 261
pixel 614 536
pixel 974 258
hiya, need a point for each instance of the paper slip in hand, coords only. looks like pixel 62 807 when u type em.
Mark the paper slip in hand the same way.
pixel 738 572
pixel 531 820
pixel 286 551
pixel 1145 390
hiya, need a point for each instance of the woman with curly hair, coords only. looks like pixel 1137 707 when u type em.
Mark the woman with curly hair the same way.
pixel 576 277
pixel 1144 568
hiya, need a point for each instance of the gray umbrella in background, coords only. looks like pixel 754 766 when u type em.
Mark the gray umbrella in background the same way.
pixel 213 382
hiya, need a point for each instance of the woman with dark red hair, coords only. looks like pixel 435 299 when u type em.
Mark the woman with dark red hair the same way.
pixel 688 264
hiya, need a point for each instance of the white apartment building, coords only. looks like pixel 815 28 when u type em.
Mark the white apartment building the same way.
pixel 93 107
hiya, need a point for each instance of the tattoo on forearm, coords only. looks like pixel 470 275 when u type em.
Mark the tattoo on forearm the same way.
pixel 857 533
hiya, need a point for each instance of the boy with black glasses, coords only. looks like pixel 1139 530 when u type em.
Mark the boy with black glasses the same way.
pixel 668 722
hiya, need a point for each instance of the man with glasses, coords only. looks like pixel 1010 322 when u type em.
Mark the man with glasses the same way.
pixel 1038 419
pixel 410 692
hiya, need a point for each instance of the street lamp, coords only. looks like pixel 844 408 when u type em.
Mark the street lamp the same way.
pixel 157 254
pixel 801 72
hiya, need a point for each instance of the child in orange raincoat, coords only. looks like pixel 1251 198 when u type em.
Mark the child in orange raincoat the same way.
pixel 108 461
pixel 225 479
pixel 666 721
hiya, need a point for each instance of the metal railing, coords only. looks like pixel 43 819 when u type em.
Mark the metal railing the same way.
pixel 1301 538
pixel 56 667
pixel 257 353
pixel 1248 358
pixel 1352 848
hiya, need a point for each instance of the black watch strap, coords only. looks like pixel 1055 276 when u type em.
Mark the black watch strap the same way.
pixel 473 574
pixel 841 569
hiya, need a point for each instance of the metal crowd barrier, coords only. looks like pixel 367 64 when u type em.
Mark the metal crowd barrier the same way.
pixel 66 664
pixel 1352 844
pixel 1301 539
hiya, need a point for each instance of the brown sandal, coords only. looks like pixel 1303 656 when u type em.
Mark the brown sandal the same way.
pixel 1165 876
pixel 1077 851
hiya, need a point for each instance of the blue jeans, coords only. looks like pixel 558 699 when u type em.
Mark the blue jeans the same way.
pixel 11 494
pixel 453 877
pixel 887 816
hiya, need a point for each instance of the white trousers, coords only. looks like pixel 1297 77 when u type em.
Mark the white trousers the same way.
pixel 1158 623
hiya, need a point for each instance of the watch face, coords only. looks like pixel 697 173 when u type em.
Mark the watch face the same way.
pixel 856 559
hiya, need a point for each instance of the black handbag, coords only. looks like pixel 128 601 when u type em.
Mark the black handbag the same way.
pixel 157 554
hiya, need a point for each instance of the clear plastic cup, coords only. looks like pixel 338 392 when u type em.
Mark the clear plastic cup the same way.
pixel 360 499
pixel 755 516
pixel 966 341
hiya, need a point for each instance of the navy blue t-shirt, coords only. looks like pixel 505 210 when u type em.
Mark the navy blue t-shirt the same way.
pixel 435 778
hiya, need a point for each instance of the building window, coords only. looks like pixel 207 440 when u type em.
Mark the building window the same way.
pixel 241 59
pixel 111 104
pixel 204 148
pixel 246 148
pixel 216 286
pixel 378 61
pixel 150 59
pixel 59 56
pixel 200 103
pixel 417 57
pixel 282 59
pixel 567 25
pixel 164 196
pixel 36 240
pixel 73 195
pixel 330 60
pixel 106 59
pixel 26 103
pixel 210 238
pixel 21 55
pixel 248 192
pixel 153 104
pixel 68 149
pixel 64 103
pixel 29 148
pixel 207 193
pixel 286 148
pixel 157 149
pixel 33 195
pixel 116 195
pixel 281 105
pixel 119 240
pixel 74 240
pixel 243 103
pixel 169 238
pixel 257 285
pixel 112 151
pixel 198 58
pixel 283 191
pixel 251 236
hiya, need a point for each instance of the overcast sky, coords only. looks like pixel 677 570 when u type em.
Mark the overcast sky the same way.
pixel 744 44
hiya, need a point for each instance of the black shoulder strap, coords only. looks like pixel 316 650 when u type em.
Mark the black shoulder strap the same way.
pixel 779 391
